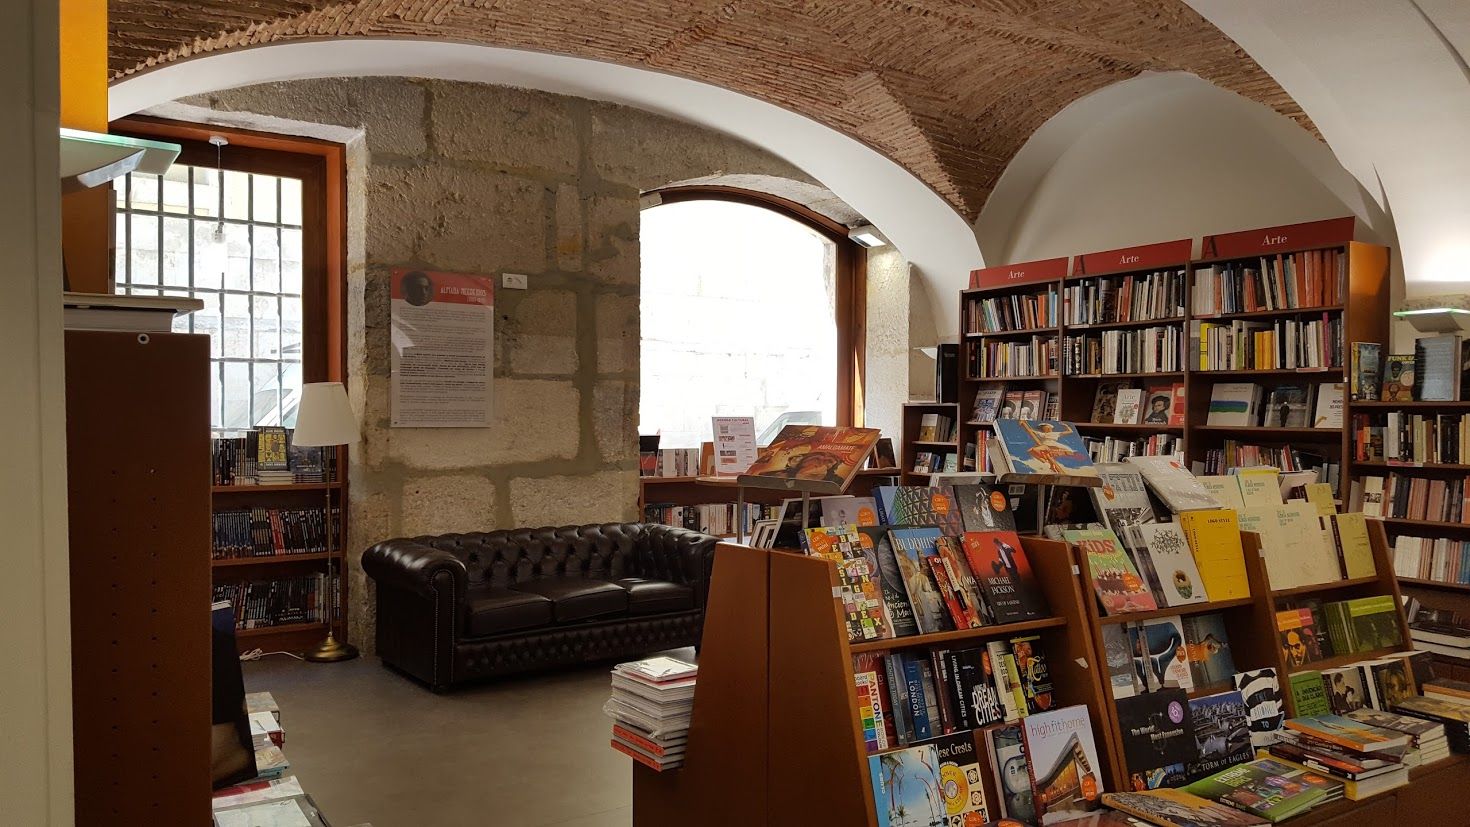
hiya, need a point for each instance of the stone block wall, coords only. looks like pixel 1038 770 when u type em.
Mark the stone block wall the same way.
pixel 486 179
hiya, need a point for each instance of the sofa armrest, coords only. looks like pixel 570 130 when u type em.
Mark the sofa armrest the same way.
pixel 679 555
pixel 413 566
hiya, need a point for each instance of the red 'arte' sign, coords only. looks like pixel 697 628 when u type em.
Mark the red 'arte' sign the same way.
pixel 1028 272
pixel 1330 233
pixel 1128 259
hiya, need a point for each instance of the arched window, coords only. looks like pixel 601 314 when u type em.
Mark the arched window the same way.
pixel 749 308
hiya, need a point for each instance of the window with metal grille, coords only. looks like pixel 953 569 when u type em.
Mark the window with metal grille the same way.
pixel 234 240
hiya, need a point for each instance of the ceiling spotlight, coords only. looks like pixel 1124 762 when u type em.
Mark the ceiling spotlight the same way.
pixel 867 235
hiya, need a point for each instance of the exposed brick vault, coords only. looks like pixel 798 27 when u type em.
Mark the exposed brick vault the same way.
pixel 950 89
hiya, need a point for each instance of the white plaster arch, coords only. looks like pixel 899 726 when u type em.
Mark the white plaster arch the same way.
pixel 934 238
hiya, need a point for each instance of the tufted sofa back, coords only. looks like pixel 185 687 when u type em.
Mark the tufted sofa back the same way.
pixel 607 551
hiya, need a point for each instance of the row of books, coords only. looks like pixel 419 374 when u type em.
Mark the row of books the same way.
pixel 1288 343
pixel 1045 768
pixel 1444 559
pixel 1416 438
pixel 1036 356
pixel 1018 311
pixel 1192 653
pixel 1123 404
pixel 278 602
pixel 267 456
pixel 1311 630
pixel 934 427
pixel 1435 372
pixel 1247 404
pixel 1401 497
pixel 1117 449
pixel 669 462
pixel 718 519
pixel 266 532
pixel 1135 350
pixel 935 462
pixel 1377 684
pixel 997 402
pixel 1309 279
pixel 1128 298
pixel 907 697
pixel 1234 454
pixel 1433 631
pixel 651 706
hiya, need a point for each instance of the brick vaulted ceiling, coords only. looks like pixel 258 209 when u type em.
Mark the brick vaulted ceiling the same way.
pixel 949 89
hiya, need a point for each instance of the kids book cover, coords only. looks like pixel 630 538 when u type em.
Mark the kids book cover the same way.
pixel 815 453
pixel 1044 446
pixel 1116 580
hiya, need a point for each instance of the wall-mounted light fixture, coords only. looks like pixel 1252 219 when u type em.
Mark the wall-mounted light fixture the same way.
pixel 867 235
pixel 1446 313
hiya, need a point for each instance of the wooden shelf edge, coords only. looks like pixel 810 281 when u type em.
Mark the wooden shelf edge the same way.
pixel 959 636
pixel 1417 403
pixel 995 334
pixel 288 628
pixel 1343 660
pixel 267 489
pixel 240 562
pixel 1436 584
pixel 1324 587
pixel 1169 611
pixel 1410 466
pixel 1433 524
pixel 1265 314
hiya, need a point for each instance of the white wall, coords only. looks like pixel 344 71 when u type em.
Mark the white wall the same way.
pixel 35 682
pixel 1158 158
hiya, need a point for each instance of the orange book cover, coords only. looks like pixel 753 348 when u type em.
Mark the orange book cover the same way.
pixel 816 452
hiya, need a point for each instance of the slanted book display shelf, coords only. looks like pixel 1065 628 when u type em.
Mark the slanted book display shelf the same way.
pixel 1044 335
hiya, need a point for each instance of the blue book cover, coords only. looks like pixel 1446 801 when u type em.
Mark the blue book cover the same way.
pixel 918 701
pixel 883 497
pixel 903 724
pixel 907 791
pixel 1044 446
pixel 911 547
pixel 1222 733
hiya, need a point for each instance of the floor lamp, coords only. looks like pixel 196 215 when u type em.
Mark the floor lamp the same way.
pixel 325 420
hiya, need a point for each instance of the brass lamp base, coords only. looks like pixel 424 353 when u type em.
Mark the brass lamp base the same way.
pixel 330 651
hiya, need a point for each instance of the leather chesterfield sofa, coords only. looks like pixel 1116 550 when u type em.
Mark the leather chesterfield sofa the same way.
pixel 456 608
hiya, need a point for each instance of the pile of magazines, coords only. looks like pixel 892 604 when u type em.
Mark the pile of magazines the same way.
pixel 651 704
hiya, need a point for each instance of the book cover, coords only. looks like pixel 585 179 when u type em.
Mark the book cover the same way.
pixel 1232 403
pixel 1375 622
pixel 987 405
pixel 1299 636
pixel 975 685
pixel 1391 682
pixel 947 592
pixel 1289 406
pixel 1033 403
pixel 1364 370
pixel 983 508
pixel 1121 500
pixel 1115 579
pixel 1105 402
pixel 271 450
pixel 1345 732
pixel 1418 729
pixel 858 578
pixel 1177 808
pixel 1398 378
pixel 1210 660
pixel 1129 410
pixel 1173 483
pixel 1327 413
pixel 1157 730
pixel 1260 487
pixel 1263 704
pixel 907 790
pixel 1118 649
pixel 815 453
pixel 1004 574
pixel 1179 579
pixel 911 547
pixel 845 511
pixel 1010 405
pixel 1214 537
pixel 1225 488
pixel 1454 715
pixel 1069 505
pixel 1006 688
pixel 1308 694
pixel 918 505
pixel 1065 775
pixel 1167 658
pixel 1352 540
pixel 1012 771
pixel 1437 367
pixel 1222 735
pixel 1267 788
pixel 1322 496
pixel 961 582
pixel 1044 447
pixel 960 781
pixel 896 606
pixel 1345 693
pixel 912 672
pixel 1035 678
pixel 1180 408
pixel 1158 405
pixel 870 711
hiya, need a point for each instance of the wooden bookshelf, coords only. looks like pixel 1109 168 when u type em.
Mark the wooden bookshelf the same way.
pixel 910 445
pixel 273 559
pixel 775 712
pixel 275 489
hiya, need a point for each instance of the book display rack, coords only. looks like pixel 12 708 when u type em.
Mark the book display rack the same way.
pixel 1134 345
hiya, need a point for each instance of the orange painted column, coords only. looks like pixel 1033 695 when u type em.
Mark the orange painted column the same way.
pixel 86 217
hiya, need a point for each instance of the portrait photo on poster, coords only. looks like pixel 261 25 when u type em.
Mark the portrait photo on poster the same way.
pixel 443 349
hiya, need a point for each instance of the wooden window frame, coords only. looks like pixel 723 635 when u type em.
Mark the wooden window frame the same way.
pixel 851 275
pixel 321 166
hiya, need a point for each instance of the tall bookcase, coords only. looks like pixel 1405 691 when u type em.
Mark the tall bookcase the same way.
pixel 1366 295
pixel 911 445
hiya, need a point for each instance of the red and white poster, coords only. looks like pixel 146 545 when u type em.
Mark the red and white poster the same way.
pixel 443 333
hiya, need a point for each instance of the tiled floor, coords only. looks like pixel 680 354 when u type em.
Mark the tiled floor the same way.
pixel 371 746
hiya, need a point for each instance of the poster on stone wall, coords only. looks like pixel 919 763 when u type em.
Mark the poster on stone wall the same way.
pixel 443 342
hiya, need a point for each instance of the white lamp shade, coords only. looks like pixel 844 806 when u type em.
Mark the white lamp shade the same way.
pixel 325 417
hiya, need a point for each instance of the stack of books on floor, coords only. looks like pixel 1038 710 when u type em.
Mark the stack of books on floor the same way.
pixel 271 797
pixel 651 705
pixel 1366 759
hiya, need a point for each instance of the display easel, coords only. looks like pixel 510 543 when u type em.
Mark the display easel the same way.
pixel 822 488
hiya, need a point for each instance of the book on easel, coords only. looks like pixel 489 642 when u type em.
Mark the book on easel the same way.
pixel 815 458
